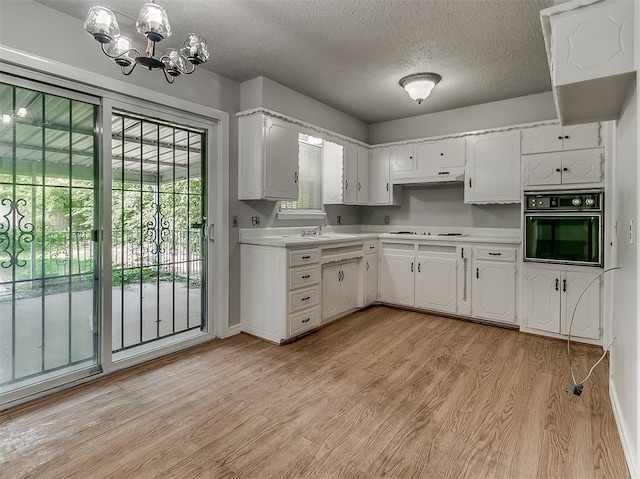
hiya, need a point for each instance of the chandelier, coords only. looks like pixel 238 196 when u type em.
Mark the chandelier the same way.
pixel 153 23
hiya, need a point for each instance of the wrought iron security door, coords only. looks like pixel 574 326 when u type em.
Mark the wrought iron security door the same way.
pixel 48 280
pixel 158 214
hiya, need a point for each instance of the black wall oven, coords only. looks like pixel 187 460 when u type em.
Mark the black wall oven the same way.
pixel 564 227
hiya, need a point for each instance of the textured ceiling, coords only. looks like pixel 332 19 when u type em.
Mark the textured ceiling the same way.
pixel 350 54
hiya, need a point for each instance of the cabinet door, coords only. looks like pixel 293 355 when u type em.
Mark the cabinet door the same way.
pixel 402 157
pixel 363 175
pixel 281 162
pixel 493 168
pixel 435 284
pixel 541 139
pixel 542 299
pixel 586 321
pixel 332 173
pixel 371 278
pixel 350 174
pixel 349 286
pixel 380 193
pixel 582 166
pixel 581 136
pixel 331 294
pixel 439 156
pixel 544 169
pixel 396 279
pixel 493 294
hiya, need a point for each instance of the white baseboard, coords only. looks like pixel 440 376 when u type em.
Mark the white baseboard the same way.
pixel 233 330
pixel 629 452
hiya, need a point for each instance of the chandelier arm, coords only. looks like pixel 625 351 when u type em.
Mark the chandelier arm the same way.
pixel 135 50
pixel 130 71
pixel 168 77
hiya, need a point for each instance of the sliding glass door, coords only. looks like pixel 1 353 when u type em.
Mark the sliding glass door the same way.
pixel 48 260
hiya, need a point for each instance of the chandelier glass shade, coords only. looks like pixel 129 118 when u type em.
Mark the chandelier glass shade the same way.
pixel 419 85
pixel 153 23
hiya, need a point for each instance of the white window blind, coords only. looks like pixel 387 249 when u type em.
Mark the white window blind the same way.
pixel 309 179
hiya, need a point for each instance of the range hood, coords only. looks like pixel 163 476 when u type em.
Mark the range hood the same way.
pixel 425 178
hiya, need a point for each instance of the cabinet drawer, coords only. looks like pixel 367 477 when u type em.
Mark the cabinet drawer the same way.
pixel 371 248
pixel 303 256
pixel 303 299
pixel 304 276
pixel 496 254
pixel 301 322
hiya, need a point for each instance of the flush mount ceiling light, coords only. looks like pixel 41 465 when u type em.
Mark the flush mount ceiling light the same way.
pixel 153 23
pixel 419 85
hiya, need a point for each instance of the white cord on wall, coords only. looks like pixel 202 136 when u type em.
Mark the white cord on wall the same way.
pixel 575 387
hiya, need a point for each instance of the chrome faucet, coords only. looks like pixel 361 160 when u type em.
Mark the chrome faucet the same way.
pixel 317 231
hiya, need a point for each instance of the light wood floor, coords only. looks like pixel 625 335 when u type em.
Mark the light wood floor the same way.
pixel 383 393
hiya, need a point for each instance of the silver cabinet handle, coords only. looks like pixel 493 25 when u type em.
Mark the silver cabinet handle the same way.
pixel 306 320
pixel 306 276
pixel 494 254
pixel 306 257
pixel 306 298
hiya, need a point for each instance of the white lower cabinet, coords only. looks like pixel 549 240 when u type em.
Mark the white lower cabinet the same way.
pixel 370 275
pixel 551 295
pixel 339 289
pixel 436 284
pixel 494 291
pixel 396 279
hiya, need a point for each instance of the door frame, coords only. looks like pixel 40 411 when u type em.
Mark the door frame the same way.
pixel 112 91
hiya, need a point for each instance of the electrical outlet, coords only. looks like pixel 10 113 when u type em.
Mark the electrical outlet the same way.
pixel 387 220
pixel 234 223
pixel 339 219
pixel 255 221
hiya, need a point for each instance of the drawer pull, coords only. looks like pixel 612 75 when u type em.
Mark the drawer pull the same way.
pixel 306 276
pixel 477 273
pixel 306 298
pixel 494 254
pixel 372 247
pixel 443 172
pixel 306 257
pixel 306 320
pixel 462 253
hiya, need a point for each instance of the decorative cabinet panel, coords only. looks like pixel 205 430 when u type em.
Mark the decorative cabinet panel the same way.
pixel 563 168
pixel 592 58
pixel 396 279
pixel 403 157
pixel 442 156
pixel 552 295
pixel 493 168
pixel 436 283
pixel 339 289
pixel 464 280
pixel 268 159
pixel 546 138
pixel 494 291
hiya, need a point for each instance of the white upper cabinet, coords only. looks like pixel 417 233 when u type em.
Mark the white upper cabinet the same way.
pixel 333 173
pixel 381 190
pixel 591 55
pixel 350 174
pixel 564 168
pixel 440 157
pixel 403 157
pixel 546 138
pixel 493 168
pixel 364 180
pixel 268 159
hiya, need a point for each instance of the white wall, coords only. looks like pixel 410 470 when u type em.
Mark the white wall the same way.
pixel 478 117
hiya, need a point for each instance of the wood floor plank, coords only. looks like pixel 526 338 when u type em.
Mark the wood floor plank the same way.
pixel 382 393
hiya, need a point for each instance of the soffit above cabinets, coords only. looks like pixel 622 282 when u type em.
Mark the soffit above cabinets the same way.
pixel 350 54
